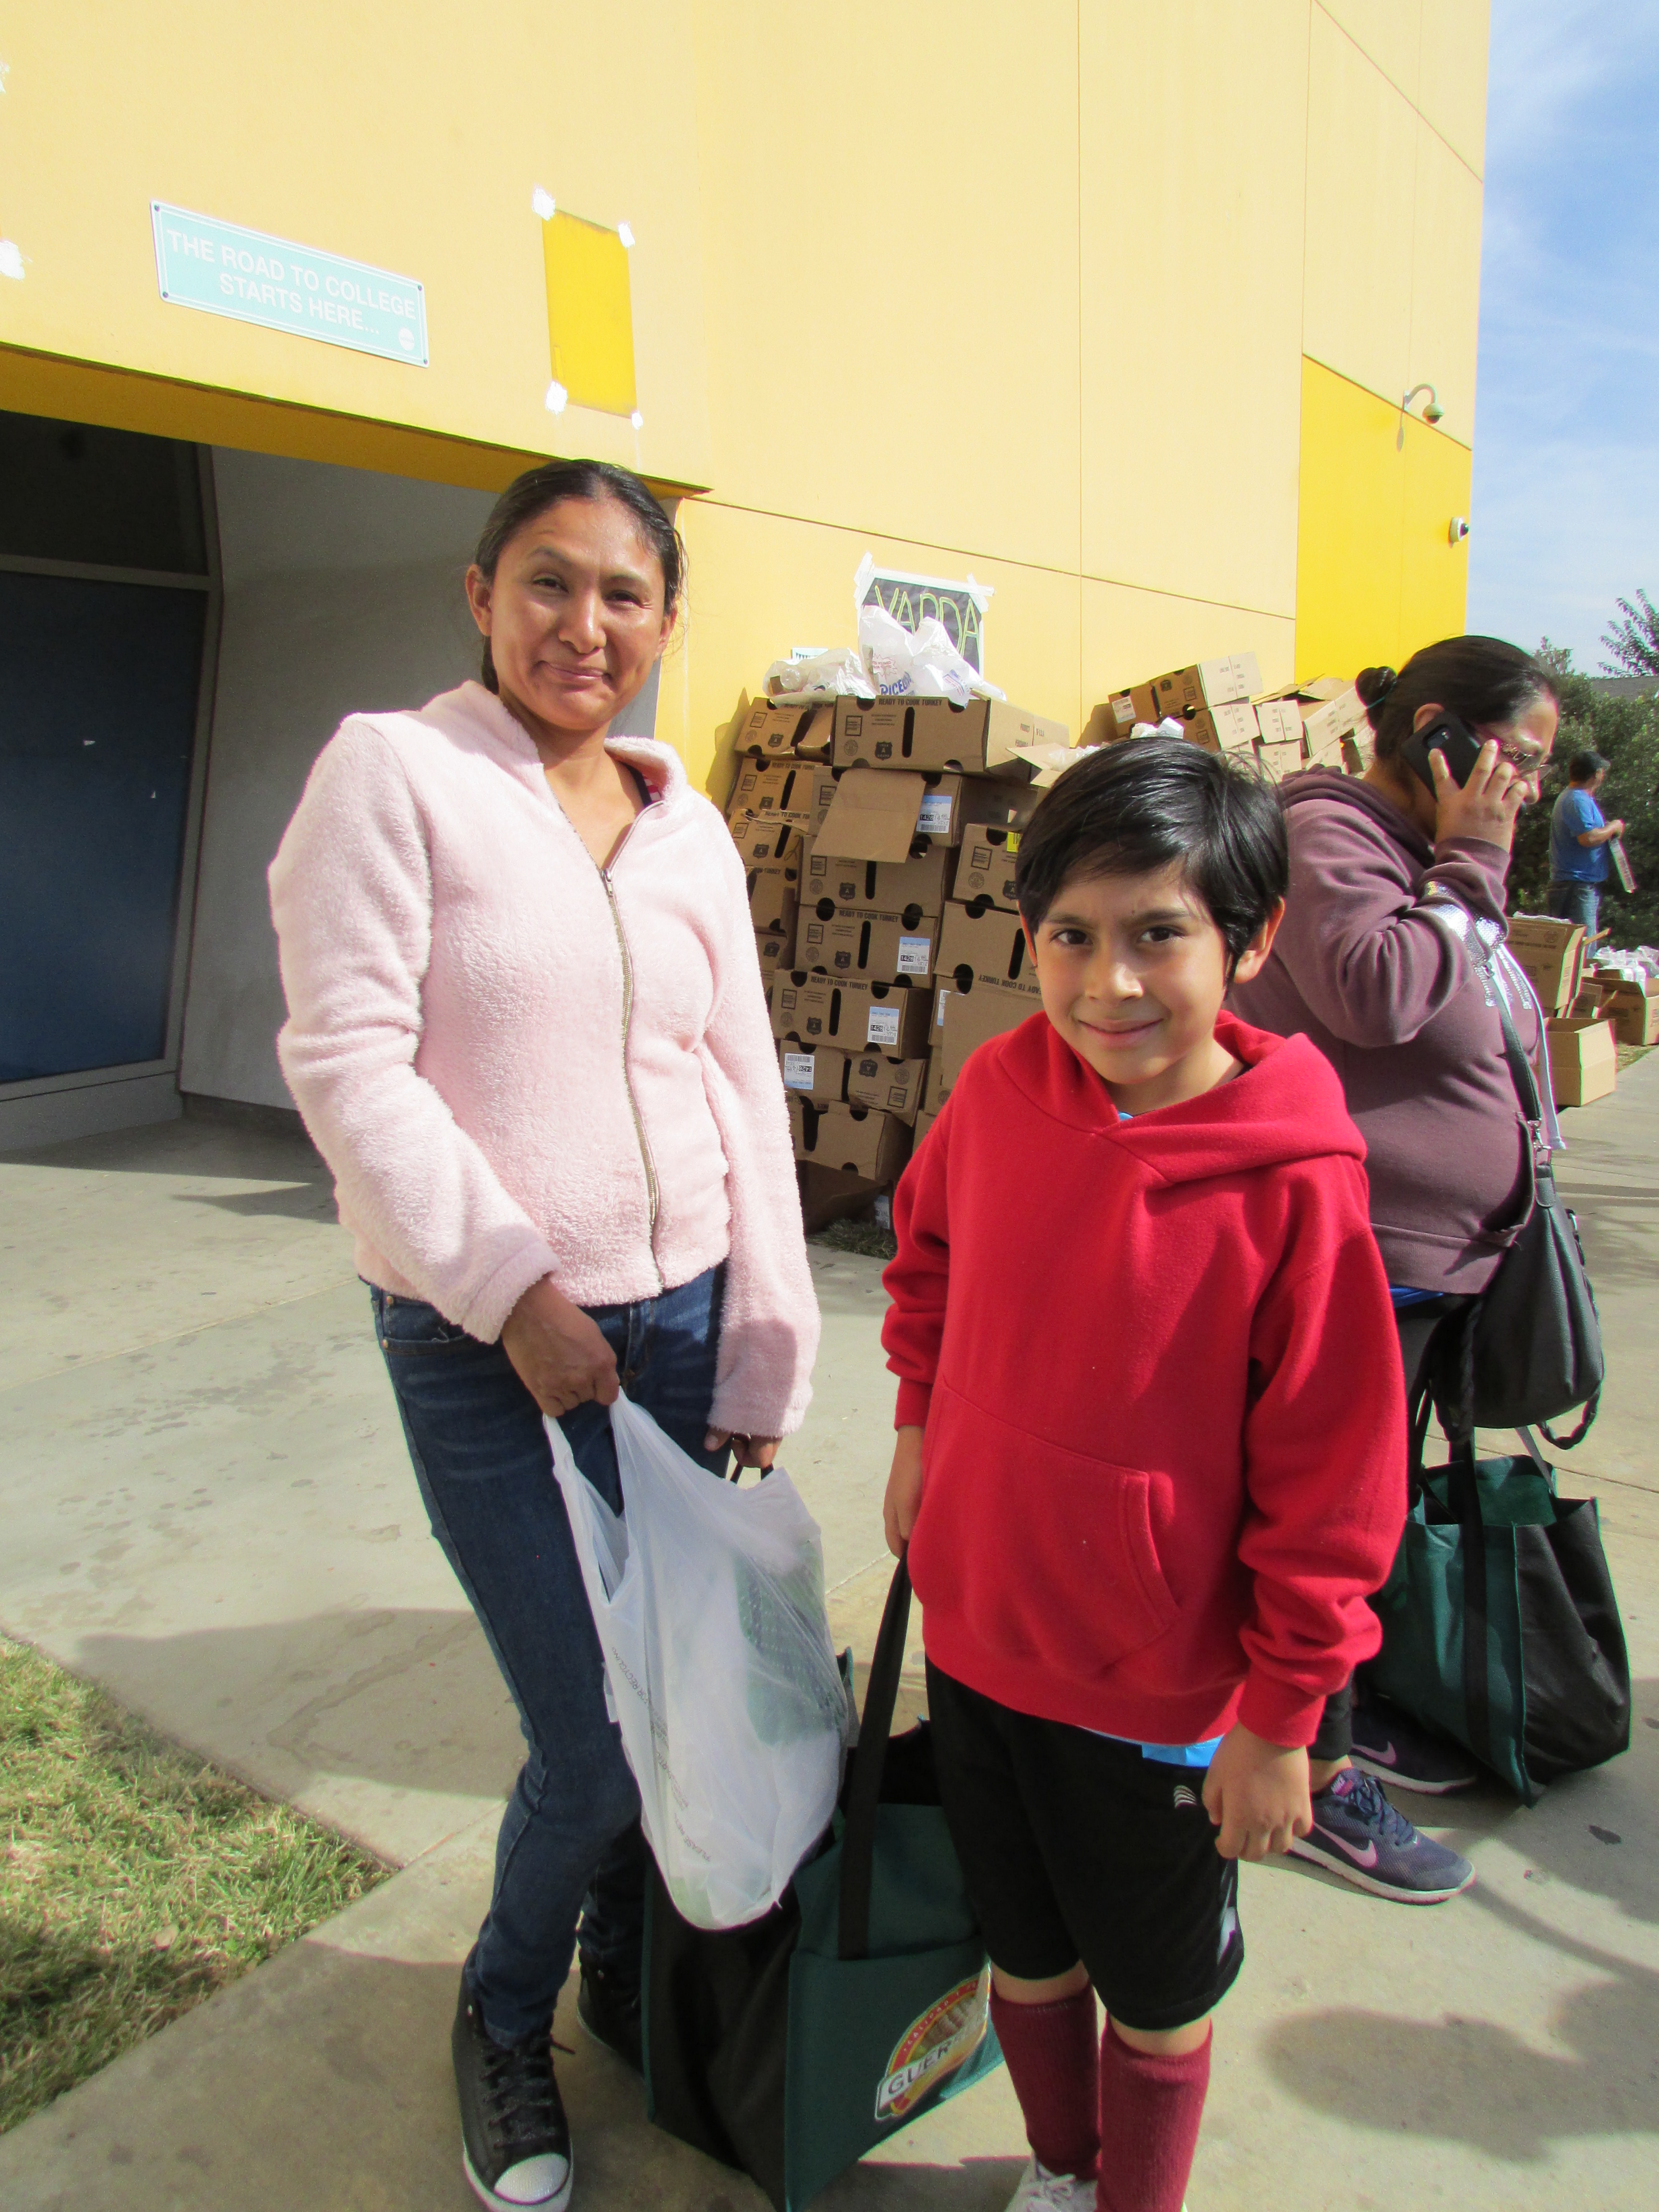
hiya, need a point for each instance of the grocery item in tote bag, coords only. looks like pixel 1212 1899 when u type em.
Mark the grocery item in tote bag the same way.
pixel 789 2048
pixel 1499 1623
pixel 708 1599
pixel 1534 1337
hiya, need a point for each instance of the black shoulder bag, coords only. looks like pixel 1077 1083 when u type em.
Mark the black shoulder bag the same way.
pixel 1536 1335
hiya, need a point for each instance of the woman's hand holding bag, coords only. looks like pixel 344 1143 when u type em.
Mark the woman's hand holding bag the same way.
pixel 561 1358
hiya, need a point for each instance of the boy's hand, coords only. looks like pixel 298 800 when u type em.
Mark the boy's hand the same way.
pixel 902 1503
pixel 1256 1794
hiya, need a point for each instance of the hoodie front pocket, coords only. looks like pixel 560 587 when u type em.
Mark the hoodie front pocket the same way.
pixel 1045 1555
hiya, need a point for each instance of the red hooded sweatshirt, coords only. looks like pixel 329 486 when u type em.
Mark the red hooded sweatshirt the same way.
pixel 1160 1378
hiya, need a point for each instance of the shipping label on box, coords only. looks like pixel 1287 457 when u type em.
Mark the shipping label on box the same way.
pixel 774 730
pixel 1552 952
pixel 986 865
pixel 951 805
pixel 855 1138
pixel 1187 691
pixel 773 897
pixel 1120 713
pixel 894 1018
pixel 853 941
pixel 764 841
pixel 894 886
pixel 1280 721
pixel 893 1085
pixel 1583 1061
pixel 870 816
pixel 777 790
pixel 1229 728
pixel 815 1071
pixel 988 737
pixel 964 1020
pixel 985 944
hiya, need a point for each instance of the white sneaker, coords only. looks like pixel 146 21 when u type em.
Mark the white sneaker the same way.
pixel 1040 2191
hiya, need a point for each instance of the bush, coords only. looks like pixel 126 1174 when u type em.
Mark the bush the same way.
pixel 1627 732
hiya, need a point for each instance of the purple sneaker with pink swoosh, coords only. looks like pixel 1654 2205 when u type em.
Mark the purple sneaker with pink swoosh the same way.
pixel 1359 1834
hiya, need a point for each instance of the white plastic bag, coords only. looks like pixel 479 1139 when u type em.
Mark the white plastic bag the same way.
pixel 922 663
pixel 708 1599
pixel 836 673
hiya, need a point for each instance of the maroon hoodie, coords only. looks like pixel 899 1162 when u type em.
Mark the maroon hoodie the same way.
pixel 1390 994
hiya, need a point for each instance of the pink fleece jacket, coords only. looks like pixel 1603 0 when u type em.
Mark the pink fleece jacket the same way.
pixel 519 1065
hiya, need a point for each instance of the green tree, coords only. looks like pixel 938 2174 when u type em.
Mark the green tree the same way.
pixel 1626 730
pixel 1633 643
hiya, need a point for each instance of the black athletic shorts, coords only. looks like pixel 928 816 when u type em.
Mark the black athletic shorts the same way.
pixel 1076 1846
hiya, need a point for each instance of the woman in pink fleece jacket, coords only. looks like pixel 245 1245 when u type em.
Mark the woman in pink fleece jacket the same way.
pixel 527 1030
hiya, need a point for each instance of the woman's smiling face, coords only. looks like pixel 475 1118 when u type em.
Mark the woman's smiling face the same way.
pixel 575 614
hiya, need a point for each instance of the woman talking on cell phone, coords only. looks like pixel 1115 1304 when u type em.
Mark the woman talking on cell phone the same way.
pixel 1388 959
pixel 527 1032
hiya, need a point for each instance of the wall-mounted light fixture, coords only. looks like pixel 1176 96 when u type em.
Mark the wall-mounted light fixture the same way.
pixel 1458 529
pixel 1433 412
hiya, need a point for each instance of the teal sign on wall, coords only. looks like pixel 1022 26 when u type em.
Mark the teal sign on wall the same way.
pixel 227 270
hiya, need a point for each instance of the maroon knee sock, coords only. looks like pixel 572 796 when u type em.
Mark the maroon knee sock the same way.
pixel 1150 2109
pixel 1054 2061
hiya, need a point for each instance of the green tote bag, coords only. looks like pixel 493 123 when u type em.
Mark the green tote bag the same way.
pixel 789 2047
pixel 1499 1623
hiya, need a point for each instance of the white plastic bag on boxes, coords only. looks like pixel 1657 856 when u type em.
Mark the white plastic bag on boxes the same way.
pixel 822 675
pixel 708 1599
pixel 922 663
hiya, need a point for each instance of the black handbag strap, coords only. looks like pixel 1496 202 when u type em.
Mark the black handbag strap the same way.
pixel 857 1840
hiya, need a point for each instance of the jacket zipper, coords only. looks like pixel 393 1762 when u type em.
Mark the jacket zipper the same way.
pixel 652 1193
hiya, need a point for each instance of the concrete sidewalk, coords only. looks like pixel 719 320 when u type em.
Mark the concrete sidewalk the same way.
pixel 207 1506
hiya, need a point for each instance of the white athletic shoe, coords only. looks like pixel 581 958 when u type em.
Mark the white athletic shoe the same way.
pixel 1040 2191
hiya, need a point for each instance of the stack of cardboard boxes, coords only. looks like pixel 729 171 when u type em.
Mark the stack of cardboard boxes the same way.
pixel 1584 1051
pixel 880 839
pixel 1221 705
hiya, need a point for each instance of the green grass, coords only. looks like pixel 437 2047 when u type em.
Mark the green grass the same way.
pixel 135 1880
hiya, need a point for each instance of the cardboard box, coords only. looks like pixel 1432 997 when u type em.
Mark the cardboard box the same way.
pixel 787 729
pixel 1552 954
pixel 764 841
pixel 1278 761
pixel 1633 1012
pixel 774 897
pixel 894 886
pixel 894 1086
pixel 818 1071
pixel 778 791
pixel 985 864
pixel 1584 1060
pixel 1122 714
pixel 870 816
pixel 1280 721
pixel 1316 690
pixel 988 737
pixel 775 950
pixel 855 1138
pixel 985 944
pixel 1229 728
pixel 936 1090
pixel 1326 725
pixel 1186 691
pixel 952 804
pixel 924 1123
pixel 964 1020
pixel 852 940
pixel 895 1018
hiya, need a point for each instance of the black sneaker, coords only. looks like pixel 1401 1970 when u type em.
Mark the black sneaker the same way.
pixel 1389 1744
pixel 609 2011
pixel 515 2140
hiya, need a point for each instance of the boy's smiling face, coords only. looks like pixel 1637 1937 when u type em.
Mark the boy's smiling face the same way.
pixel 1132 972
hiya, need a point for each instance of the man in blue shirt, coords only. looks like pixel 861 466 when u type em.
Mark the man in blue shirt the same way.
pixel 1578 843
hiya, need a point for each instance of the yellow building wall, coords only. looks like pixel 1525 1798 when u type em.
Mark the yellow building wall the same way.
pixel 1094 299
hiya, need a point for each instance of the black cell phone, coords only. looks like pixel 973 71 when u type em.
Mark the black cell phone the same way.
pixel 1449 735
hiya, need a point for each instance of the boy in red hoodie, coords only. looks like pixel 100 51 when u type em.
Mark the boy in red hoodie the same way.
pixel 1150 1454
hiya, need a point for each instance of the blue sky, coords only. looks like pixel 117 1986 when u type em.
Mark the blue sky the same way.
pixel 1565 506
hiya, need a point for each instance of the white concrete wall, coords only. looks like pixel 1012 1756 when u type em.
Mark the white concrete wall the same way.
pixel 343 591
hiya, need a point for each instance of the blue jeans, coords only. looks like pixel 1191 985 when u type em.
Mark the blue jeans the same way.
pixel 570 1844
pixel 1570 902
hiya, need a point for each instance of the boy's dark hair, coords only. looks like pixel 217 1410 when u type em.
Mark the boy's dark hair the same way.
pixel 1133 807
pixel 1480 680
pixel 531 493
pixel 1585 765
